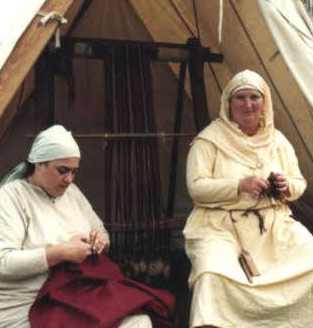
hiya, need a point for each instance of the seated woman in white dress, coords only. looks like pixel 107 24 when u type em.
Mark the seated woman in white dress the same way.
pixel 45 220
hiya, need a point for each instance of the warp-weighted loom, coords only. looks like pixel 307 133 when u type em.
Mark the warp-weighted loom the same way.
pixel 135 215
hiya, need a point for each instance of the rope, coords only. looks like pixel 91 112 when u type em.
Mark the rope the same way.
pixel 220 22
pixel 53 16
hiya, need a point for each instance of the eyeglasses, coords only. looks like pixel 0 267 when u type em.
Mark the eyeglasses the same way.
pixel 64 170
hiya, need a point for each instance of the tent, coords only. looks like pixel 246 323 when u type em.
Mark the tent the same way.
pixel 272 37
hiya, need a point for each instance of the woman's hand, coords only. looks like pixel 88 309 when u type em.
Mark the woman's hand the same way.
pixel 99 241
pixel 281 184
pixel 76 250
pixel 254 186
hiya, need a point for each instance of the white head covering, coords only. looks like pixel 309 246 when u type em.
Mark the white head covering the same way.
pixel 227 136
pixel 50 144
pixel 247 79
pixel 53 143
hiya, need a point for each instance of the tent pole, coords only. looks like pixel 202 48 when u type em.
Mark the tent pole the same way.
pixel 177 128
pixel 196 67
pixel 79 16
pixel 44 89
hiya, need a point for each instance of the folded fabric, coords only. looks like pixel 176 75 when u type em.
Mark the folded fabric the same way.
pixel 96 294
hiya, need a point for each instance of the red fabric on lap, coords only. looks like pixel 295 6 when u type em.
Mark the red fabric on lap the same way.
pixel 96 294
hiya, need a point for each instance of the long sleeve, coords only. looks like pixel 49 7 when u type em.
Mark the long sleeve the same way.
pixel 288 157
pixel 16 263
pixel 203 188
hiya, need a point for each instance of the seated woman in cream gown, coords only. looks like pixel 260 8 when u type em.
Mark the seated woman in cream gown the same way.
pixel 252 263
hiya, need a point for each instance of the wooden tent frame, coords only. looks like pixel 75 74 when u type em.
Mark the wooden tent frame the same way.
pixel 25 55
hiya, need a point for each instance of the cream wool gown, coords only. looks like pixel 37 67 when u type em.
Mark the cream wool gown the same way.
pixel 282 296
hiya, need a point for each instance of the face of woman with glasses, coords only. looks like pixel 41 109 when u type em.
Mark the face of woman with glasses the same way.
pixel 55 176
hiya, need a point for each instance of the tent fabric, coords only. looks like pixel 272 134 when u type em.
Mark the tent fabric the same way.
pixel 174 21
pixel 15 16
pixel 167 21
pixel 292 30
pixel 309 6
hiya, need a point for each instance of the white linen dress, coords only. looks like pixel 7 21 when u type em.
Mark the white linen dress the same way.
pixel 30 220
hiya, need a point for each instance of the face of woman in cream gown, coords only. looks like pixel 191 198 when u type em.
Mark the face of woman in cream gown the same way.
pixel 246 109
